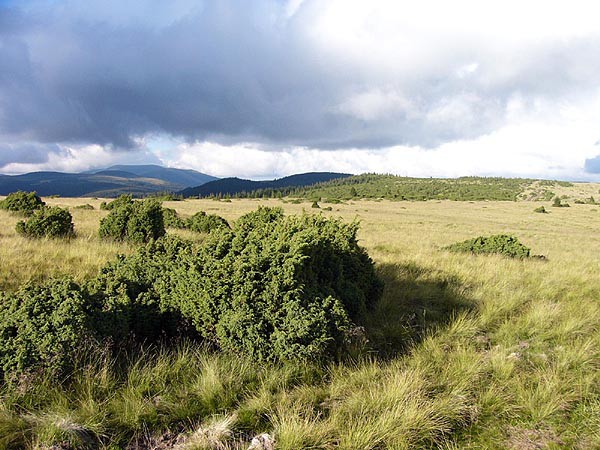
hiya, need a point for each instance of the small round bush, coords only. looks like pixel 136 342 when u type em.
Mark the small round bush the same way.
pixel 540 209
pixel 87 207
pixel 134 221
pixel 263 215
pixel 557 203
pixel 41 327
pixel 204 223
pixel 501 244
pixel 48 222
pixel 22 202
pixel 121 200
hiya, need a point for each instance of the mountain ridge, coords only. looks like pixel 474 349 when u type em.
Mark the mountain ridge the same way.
pixel 108 182
pixel 185 177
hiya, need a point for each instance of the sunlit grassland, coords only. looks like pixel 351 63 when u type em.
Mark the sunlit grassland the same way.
pixel 463 351
pixel 23 259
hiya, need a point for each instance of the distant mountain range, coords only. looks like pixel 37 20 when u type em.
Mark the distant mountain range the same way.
pixel 232 186
pixel 109 182
pixel 182 177
pixel 141 180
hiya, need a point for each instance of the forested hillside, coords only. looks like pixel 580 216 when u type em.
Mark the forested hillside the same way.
pixel 394 187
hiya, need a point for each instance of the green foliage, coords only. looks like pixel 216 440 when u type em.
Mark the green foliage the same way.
pixel 501 244
pixel 167 197
pixel 540 209
pixel 557 203
pixel 565 183
pixel 555 183
pixel 134 221
pixel 49 222
pixel 42 327
pixel 547 195
pixel 172 219
pixel 276 288
pixel 87 206
pixel 263 215
pixel 273 288
pixel 22 202
pixel 127 302
pixel 121 200
pixel 315 205
pixel 404 188
pixel 204 223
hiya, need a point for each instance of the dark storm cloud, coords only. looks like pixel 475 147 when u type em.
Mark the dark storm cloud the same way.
pixel 26 153
pixel 109 72
pixel 212 72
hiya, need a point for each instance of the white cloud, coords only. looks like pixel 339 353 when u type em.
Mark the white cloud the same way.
pixel 80 158
pixel 467 70
pixel 376 104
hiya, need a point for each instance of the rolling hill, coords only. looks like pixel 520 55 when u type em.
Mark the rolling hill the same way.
pixel 110 182
pixel 234 186
pixel 392 187
pixel 183 177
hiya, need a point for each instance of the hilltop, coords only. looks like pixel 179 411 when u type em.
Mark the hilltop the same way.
pixel 393 187
pixel 241 187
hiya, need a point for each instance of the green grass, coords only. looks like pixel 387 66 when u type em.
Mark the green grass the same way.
pixel 462 351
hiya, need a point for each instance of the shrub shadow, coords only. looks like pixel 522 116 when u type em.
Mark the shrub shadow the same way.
pixel 415 301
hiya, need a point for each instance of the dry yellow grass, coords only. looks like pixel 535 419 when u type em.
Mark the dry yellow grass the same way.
pixel 515 365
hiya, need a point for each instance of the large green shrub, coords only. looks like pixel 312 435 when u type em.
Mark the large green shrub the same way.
pixel 42 327
pixel 50 222
pixel 135 221
pixel 172 219
pixel 204 223
pixel 22 202
pixel 275 288
pixel 501 244
pixel 126 298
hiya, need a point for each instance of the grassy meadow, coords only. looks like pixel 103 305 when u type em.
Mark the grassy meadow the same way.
pixel 462 351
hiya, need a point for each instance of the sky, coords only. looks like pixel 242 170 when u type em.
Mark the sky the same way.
pixel 269 88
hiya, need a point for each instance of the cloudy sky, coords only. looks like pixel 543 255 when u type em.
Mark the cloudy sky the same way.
pixel 272 87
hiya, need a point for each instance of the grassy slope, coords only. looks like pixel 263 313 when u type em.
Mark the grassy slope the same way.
pixel 474 352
